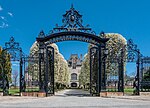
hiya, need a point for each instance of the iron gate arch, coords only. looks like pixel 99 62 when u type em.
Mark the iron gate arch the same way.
pixel 72 29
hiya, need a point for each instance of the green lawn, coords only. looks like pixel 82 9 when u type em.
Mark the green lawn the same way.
pixel 1 90
pixel 14 91
pixel 128 90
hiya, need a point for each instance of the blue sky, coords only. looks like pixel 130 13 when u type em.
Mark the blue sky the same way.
pixel 24 19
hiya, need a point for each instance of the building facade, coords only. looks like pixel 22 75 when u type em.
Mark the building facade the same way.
pixel 74 65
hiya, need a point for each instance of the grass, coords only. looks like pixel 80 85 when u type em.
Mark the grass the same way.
pixel 128 90
pixel 111 89
pixel 1 90
pixel 36 89
pixel 14 91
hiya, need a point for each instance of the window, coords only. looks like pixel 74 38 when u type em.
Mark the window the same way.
pixel 74 66
pixel 73 76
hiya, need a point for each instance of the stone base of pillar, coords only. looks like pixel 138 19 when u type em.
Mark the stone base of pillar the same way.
pixel 111 94
pixel 144 93
pixel 35 94
pixel 1 93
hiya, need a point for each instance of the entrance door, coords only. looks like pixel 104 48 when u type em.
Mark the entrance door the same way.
pixel 73 84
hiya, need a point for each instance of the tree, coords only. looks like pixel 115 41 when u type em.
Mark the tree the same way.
pixel 1 68
pixel 115 44
pixel 61 72
pixel 6 64
pixel 84 76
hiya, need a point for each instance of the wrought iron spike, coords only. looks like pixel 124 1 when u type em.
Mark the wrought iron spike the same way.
pixel 72 6
pixel 12 39
pixel 41 34
pixel 102 34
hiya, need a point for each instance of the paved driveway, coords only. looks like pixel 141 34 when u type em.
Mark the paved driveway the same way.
pixel 72 99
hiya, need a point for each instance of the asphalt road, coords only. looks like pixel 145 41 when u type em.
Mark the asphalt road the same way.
pixel 72 99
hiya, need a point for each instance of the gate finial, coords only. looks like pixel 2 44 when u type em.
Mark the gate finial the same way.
pixel 41 34
pixel 72 6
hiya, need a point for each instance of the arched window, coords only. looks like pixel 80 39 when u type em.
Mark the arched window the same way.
pixel 73 76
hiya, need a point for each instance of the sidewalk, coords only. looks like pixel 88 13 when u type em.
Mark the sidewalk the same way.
pixel 144 98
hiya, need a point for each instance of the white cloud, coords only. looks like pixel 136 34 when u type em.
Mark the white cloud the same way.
pixel 4 25
pixel 1 8
pixel 2 17
pixel 10 14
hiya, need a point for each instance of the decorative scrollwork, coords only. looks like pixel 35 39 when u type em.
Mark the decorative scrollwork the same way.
pixel 131 56
pixel 72 29
pixel 146 60
pixel 131 45
pixel 72 21
pixel 133 53
pixel 13 49
pixel 12 44
pixel 75 37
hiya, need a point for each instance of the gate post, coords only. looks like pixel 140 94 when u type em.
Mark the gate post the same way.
pixel 53 80
pixel 91 71
pixel 138 72
pixel 121 72
pixel 40 71
pixel 99 69
pixel 104 56
pixel 46 72
pixel 41 59
pixel 141 76
pixel 21 76
pixel 94 56
pixel 49 73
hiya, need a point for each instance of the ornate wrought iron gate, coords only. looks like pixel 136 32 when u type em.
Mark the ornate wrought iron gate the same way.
pixel 115 70
pixel 134 56
pixel 94 71
pixel 15 52
pixel 31 73
pixel 145 74
pixel 46 69
pixel 49 76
